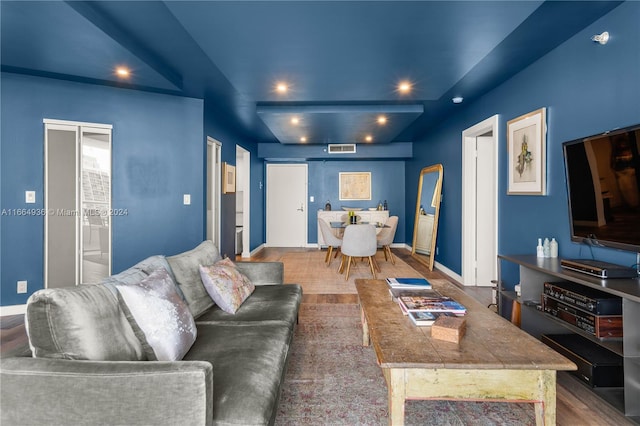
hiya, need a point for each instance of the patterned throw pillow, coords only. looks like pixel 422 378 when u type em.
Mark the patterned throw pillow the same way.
pixel 226 285
pixel 159 317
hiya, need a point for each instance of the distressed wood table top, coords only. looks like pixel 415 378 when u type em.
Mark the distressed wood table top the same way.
pixel 490 342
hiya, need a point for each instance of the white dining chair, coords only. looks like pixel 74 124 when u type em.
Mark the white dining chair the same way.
pixel 359 241
pixel 332 241
pixel 386 236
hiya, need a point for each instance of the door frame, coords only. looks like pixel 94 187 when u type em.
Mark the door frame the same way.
pixel 213 189
pixel 243 165
pixel 469 170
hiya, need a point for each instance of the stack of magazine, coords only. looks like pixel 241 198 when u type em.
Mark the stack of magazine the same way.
pixel 420 302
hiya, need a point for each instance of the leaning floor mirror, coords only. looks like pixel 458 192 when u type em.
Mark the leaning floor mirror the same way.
pixel 427 211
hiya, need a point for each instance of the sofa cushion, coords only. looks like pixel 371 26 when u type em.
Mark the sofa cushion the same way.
pixel 248 368
pixel 83 322
pixel 266 303
pixel 159 317
pixel 138 272
pixel 185 267
pixel 227 286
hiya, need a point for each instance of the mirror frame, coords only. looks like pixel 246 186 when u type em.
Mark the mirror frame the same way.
pixel 428 260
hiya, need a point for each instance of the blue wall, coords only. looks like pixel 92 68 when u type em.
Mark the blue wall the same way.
pixel 587 89
pixel 157 156
pixel 387 183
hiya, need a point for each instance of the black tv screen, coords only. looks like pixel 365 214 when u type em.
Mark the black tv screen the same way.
pixel 603 181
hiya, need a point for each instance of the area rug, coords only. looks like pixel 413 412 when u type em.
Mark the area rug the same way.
pixel 309 270
pixel 333 380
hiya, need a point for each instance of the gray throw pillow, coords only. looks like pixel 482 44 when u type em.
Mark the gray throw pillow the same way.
pixel 185 269
pixel 160 318
pixel 83 322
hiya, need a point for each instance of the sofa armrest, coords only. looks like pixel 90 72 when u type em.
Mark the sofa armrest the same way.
pixel 263 273
pixel 53 391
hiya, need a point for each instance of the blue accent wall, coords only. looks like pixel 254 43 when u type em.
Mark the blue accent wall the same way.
pixel 157 156
pixel 387 183
pixel 587 89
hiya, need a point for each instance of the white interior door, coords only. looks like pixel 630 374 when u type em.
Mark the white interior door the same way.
pixel 486 179
pixel 479 203
pixel 286 205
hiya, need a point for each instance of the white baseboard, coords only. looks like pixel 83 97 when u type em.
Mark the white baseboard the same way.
pixel 12 310
pixel 448 272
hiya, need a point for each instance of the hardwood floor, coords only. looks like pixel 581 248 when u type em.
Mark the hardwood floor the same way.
pixel 576 404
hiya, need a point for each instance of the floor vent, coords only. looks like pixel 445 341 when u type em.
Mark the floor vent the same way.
pixel 341 148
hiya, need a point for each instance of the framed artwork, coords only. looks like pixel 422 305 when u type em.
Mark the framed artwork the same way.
pixel 526 154
pixel 355 186
pixel 228 178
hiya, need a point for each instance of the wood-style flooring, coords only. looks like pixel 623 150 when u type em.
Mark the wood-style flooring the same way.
pixel 576 404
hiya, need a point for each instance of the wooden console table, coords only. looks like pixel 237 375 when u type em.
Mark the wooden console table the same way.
pixel 495 360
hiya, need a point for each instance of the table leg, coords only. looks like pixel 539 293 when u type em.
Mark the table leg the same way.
pixel 396 389
pixel 545 409
pixel 365 329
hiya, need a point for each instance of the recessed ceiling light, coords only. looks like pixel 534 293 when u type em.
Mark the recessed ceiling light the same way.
pixel 295 120
pixel 368 138
pixel 404 87
pixel 281 88
pixel 303 139
pixel 457 100
pixel 122 72
pixel 382 119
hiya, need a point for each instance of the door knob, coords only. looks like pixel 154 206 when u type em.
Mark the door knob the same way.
pixel 301 209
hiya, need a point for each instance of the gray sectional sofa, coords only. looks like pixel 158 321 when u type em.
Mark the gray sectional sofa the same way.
pixel 89 368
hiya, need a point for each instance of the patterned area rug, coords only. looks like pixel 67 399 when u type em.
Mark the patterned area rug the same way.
pixel 333 380
pixel 309 270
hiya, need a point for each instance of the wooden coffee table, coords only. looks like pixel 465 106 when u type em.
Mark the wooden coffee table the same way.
pixel 495 361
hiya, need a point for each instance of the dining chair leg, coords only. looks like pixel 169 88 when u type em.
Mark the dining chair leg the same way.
pixel 373 269
pixel 388 249
pixel 346 278
pixel 341 267
pixel 375 263
pixel 327 258
pixel 384 250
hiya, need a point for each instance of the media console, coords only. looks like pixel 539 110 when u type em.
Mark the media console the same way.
pixel 535 272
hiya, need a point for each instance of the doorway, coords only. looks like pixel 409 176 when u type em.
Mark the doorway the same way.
pixel 243 201
pixel 480 203
pixel 214 149
pixel 77 199
pixel 287 205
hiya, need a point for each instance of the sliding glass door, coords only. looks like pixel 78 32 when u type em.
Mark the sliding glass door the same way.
pixel 77 202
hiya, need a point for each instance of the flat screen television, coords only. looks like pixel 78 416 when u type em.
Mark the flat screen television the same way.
pixel 603 182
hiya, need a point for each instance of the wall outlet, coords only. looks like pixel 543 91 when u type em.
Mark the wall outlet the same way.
pixel 22 287
pixel 186 199
pixel 29 197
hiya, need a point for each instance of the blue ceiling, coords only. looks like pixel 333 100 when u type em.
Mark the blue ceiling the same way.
pixel 341 61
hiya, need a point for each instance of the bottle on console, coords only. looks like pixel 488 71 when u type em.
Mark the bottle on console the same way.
pixel 546 248
pixel 553 248
pixel 539 248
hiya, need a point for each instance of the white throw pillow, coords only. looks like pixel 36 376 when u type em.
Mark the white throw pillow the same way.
pixel 159 317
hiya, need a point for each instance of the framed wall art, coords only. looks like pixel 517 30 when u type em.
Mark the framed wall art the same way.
pixel 355 186
pixel 526 154
pixel 228 178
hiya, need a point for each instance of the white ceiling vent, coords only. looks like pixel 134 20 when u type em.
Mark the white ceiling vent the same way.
pixel 341 148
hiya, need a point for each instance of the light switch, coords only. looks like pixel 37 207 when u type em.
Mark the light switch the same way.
pixel 312 199
pixel 186 199
pixel 30 197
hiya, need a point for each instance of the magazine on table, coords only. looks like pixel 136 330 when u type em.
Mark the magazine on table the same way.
pixel 431 304
pixel 425 292
pixel 408 283
pixel 424 318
